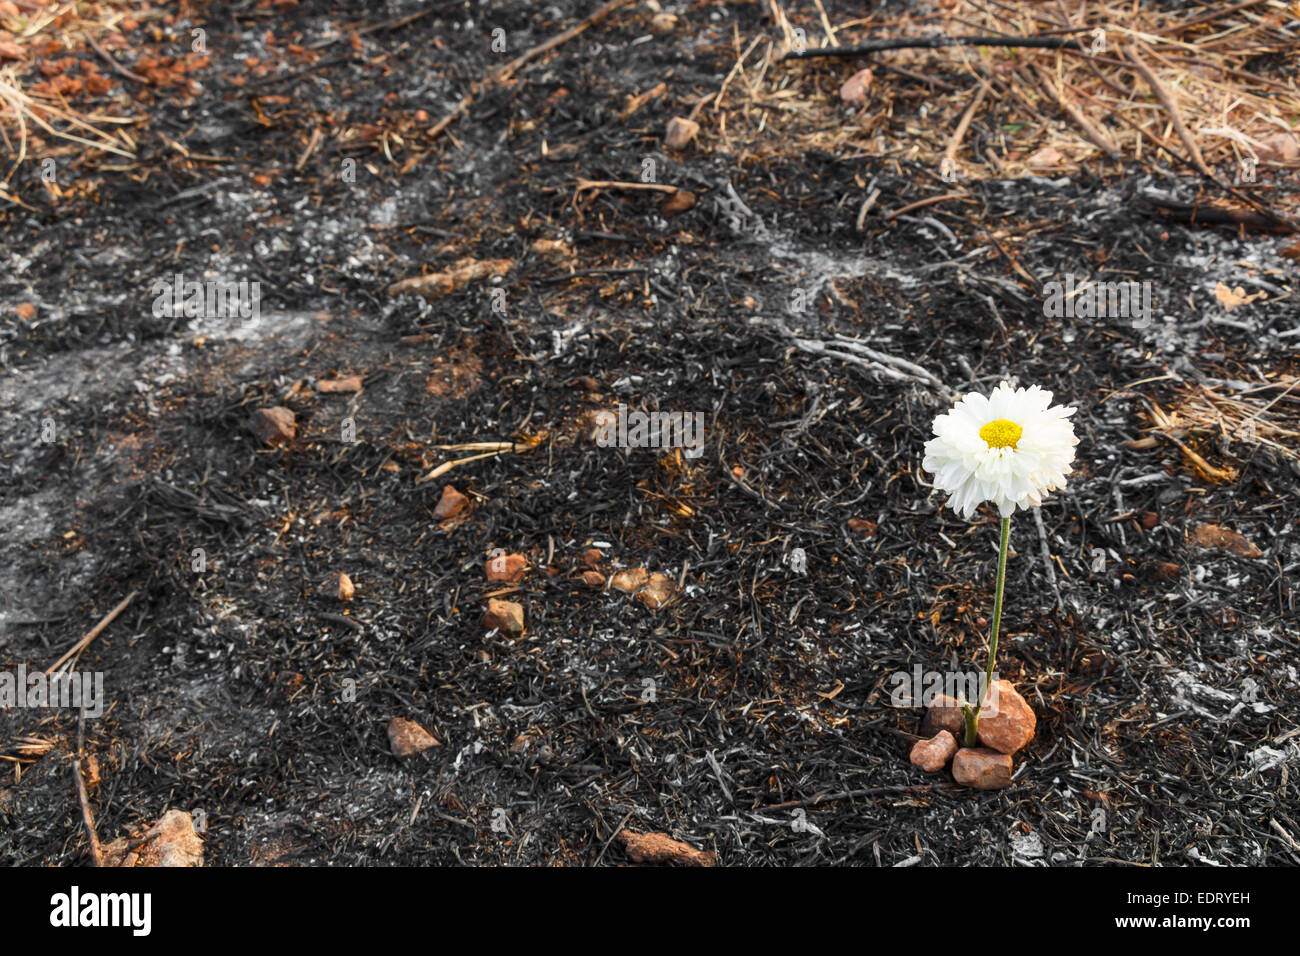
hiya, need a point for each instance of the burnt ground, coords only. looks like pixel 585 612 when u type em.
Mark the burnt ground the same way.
pixel 1162 674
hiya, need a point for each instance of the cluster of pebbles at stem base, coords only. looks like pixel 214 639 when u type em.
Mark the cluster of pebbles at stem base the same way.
pixel 1006 724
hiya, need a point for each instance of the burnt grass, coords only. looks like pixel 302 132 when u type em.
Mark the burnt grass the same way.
pixel 758 699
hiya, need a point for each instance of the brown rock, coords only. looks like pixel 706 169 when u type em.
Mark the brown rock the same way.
pixel 450 504
pixel 1165 571
pixel 854 90
pixel 504 616
pixel 593 579
pixel 944 714
pixel 1213 537
pixel 275 426
pixel 592 557
pixel 1007 724
pixel 349 383
pixel 981 768
pixel 680 132
pixel 176 843
pixel 661 848
pixel 683 200
pixel 505 567
pixel 172 842
pixel 934 754
pixel 340 586
pixel 407 738
pixel 630 580
pixel 657 592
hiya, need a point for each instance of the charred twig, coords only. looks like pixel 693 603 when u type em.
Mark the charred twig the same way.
pixel 396 23
pixel 294 74
pixel 1199 214
pixel 1207 17
pixel 343 619
pixel 138 842
pixel 116 67
pixel 855 353
pixel 847 795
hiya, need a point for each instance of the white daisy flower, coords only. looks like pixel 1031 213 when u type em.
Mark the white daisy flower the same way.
pixel 1010 448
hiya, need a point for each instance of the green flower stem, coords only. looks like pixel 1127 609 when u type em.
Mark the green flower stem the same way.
pixel 973 717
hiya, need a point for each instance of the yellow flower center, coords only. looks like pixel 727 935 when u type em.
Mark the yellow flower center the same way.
pixel 1001 433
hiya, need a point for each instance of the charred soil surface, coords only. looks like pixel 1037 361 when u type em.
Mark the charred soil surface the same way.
pixel 749 715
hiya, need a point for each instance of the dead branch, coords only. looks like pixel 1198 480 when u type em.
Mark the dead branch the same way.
pixel 933 43
pixel 87 818
pixel 1175 115
pixel 94 632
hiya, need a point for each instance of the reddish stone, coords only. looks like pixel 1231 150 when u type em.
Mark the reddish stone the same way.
pixel 862 526
pixel 407 738
pixel 630 580
pixel 981 768
pixel 854 90
pixel 275 426
pixel 505 567
pixel 680 132
pixel 340 586
pixel 1007 722
pixel 683 200
pixel 504 616
pixel 1213 537
pixel 171 842
pixel 1165 571
pixel 934 754
pixel 657 592
pixel 450 504
pixel 944 714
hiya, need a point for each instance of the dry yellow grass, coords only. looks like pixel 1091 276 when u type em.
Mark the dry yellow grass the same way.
pixel 1149 82
pixel 37 125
